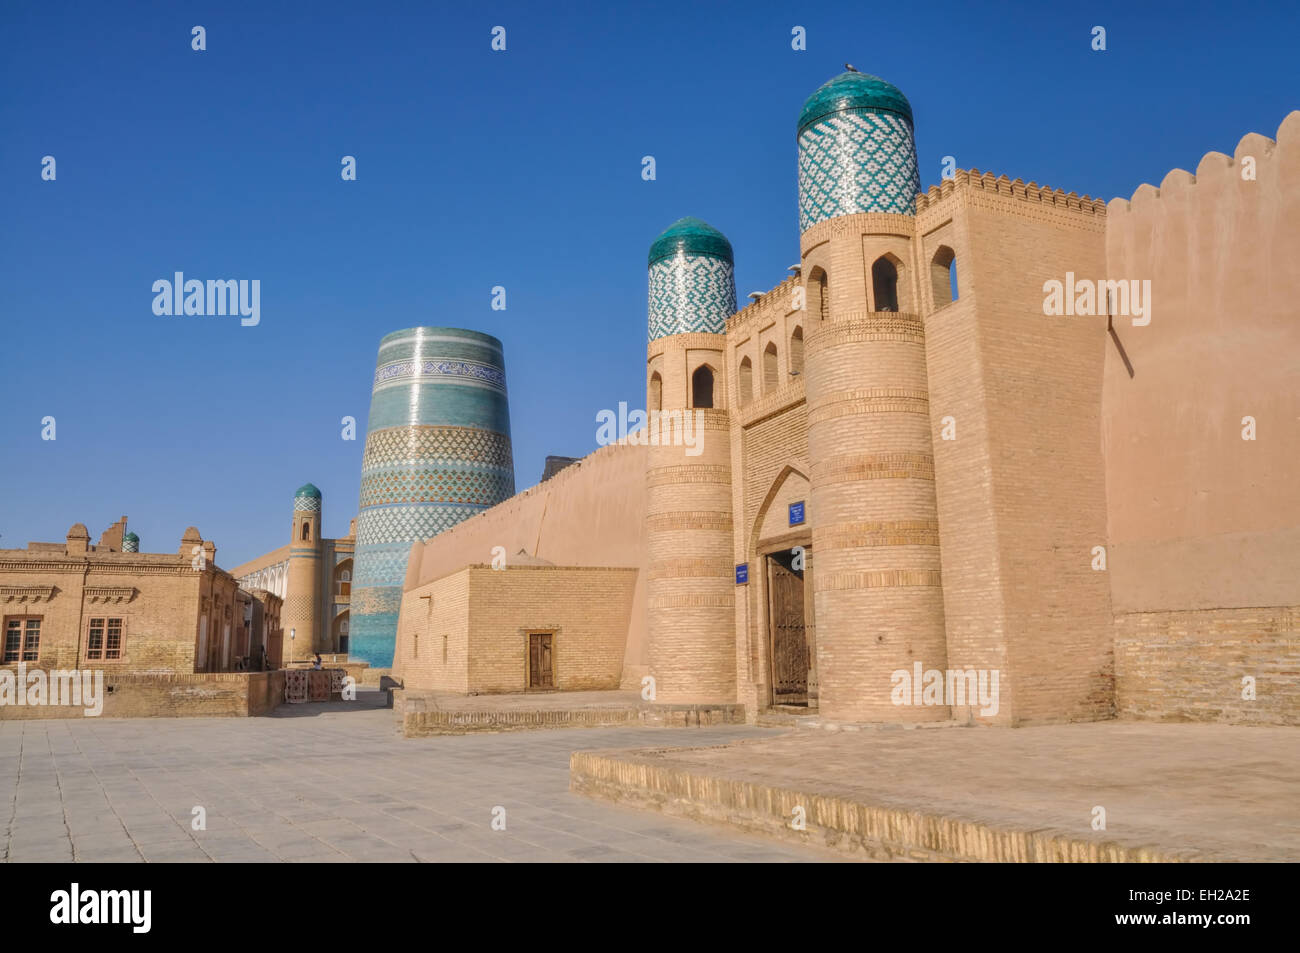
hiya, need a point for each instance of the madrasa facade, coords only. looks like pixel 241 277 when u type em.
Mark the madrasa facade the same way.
pixel 993 452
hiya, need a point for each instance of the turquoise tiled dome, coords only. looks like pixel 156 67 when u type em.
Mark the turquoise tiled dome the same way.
pixel 857 151
pixel 307 490
pixel 130 543
pixel 853 91
pixel 693 237
pixel 692 280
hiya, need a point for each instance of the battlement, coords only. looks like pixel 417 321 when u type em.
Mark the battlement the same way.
pixel 1012 188
pixel 1266 153
pixel 776 297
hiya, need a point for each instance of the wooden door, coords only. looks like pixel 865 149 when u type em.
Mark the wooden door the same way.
pixel 789 642
pixel 541 660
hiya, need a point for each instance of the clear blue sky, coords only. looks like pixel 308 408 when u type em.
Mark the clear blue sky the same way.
pixel 476 169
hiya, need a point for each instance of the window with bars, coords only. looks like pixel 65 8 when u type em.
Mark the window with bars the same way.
pixel 104 640
pixel 22 638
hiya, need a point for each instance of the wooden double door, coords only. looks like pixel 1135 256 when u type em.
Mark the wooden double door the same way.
pixel 791 629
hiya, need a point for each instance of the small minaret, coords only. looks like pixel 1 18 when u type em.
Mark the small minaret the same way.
pixel 690 586
pixel 301 613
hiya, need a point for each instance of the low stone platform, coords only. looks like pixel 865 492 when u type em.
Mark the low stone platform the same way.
pixel 1170 792
pixel 422 713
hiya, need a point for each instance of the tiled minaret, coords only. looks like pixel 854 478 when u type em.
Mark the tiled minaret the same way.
pixel 437 451
pixel 689 584
pixel 876 582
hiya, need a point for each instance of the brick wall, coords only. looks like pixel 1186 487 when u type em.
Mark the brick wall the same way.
pixel 1189 665
pixel 131 695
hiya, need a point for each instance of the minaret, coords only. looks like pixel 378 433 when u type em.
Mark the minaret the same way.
pixel 301 613
pixel 875 532
pixel 690 585
pixel 437 452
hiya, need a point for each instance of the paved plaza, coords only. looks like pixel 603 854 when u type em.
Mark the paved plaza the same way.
pixel 333 783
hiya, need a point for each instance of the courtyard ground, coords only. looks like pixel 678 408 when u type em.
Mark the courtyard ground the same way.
pixel 330 783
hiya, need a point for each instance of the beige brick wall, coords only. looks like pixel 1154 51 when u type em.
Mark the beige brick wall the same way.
pixel 587 609
pixel 1021 494
pixel 1190 665
pixel 486 614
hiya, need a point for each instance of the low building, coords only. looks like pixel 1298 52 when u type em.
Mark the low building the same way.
pixel 150 622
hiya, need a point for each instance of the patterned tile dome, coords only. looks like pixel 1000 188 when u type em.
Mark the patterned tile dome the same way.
pixel 853 91
pixel 692 237
pixel 130 543
pixel 307 497
pixel 692 280
pixel 857 151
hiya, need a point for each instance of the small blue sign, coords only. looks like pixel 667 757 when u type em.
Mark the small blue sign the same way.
pixel 796 513
pixel 742 574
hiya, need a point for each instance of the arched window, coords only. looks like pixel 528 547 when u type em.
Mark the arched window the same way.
pixel 702 387
pixel 746 381
pixel 656 392
pixel 343 579
pixel 769 368
pixel 796 351
pixel 884 284
pixel 819 294
pixel 943 276
pixel 306 530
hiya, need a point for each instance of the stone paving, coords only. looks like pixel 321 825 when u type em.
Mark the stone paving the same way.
pixel 1223 792
pixel 333 783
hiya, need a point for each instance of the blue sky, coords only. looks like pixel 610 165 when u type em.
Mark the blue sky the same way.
pixel 475 169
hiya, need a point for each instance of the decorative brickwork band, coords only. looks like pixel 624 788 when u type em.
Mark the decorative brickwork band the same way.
pixel 877 533
pixel 691 567
pixel 857 326
pixel 870 400
pixel 665 522
pixel 878 579
pixel 695 600
pixel 672 476
pixel 847 467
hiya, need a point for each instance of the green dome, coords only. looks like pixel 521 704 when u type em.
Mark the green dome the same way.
pixel 854 91
pixel 693 237
pixel 132 537
pixel 307 490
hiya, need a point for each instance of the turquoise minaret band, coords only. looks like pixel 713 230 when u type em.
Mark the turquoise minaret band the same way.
pixel 692 280
pixel 437 451
pixel 857 151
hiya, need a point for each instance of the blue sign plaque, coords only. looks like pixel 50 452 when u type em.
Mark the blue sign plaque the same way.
pixel 796 513
pixel 742 574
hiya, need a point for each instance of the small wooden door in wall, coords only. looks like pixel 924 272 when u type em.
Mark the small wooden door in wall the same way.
pixel 541 660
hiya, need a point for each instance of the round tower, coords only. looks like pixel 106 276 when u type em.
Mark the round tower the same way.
pixel 690 585
pixel 437 452
pixel 876 582
pixel 301 612
pixel 130 543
